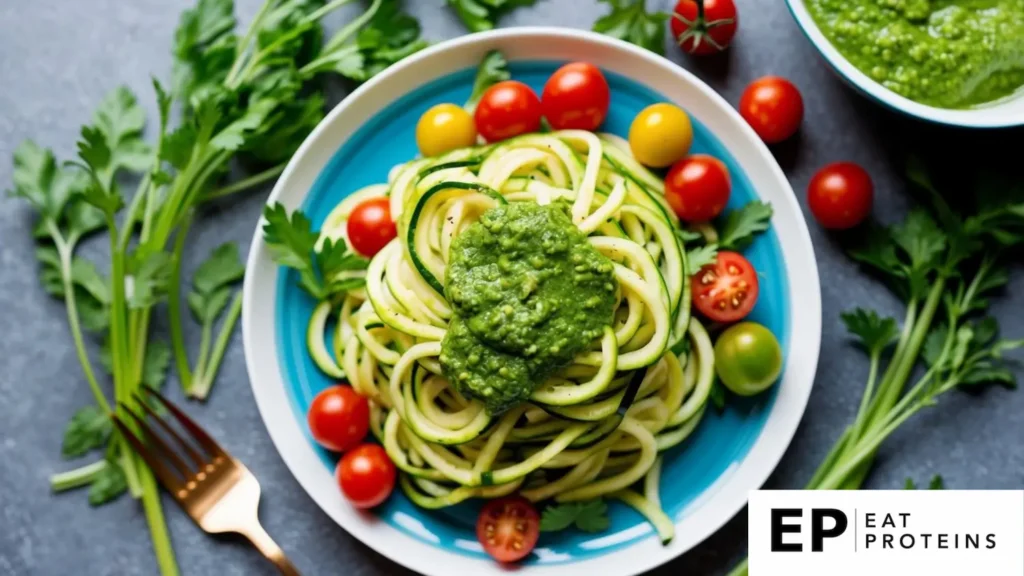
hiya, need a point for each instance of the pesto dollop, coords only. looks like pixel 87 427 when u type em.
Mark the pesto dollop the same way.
pixel 528 293
pixel 945 53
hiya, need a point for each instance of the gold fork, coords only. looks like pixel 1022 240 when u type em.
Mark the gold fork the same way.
pixel 217 491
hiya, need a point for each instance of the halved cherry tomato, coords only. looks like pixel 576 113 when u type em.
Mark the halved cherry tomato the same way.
pixel 444 128
pixel 507 109
pixel 339 418
pixel 697 188
pixel 707 32
pixel 370 227
pixel 366 475
pixel 773 107
pixel 725 291
pixel 660 135
pixel 840 195
pixel 576 97
pixel 508 528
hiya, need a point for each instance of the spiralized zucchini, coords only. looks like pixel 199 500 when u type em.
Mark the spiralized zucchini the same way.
pixel 594 429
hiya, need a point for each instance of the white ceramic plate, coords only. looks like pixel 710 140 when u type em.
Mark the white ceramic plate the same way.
pixel 405 534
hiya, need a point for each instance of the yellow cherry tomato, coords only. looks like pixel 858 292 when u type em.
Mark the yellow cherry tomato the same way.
pixel 444 128
pixel 660 135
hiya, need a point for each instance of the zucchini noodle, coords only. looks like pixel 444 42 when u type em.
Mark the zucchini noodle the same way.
pixel 594 429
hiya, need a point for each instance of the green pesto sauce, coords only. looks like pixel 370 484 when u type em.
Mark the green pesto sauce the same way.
pixel 529 293
pixel 945 53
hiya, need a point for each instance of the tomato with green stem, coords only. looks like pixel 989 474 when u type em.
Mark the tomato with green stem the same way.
pixel 339 418
pixel 370 227
pixel 508 528
pixel 704 26
pixel 748 358
pixel 366 476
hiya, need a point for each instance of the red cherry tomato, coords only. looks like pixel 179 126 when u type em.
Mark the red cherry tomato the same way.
pixel 773 107
pixel 339 418
pixel 508 528
pixel 370 227
pixel 576 97
pixel 708 33
pixel 725 291
pixel 840 195
pixel 366 475
pixel 507 109
pixel 697 188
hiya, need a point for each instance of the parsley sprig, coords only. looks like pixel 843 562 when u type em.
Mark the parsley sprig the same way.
pixel 249 94
pixel 945 262
pixel 630 20
pixel 589 516
pixel 481 15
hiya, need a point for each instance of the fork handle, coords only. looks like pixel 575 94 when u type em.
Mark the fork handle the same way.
pixel 266 545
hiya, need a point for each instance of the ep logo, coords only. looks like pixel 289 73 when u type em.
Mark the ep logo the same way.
pixel 824 523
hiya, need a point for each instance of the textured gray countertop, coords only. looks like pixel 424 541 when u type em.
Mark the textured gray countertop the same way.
pixel 59 57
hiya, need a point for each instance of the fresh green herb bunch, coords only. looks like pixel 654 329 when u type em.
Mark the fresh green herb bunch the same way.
pixel 249 94
pixel 945 263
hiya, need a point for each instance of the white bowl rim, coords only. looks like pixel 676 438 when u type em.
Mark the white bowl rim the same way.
pixel 1007 113
pixel 718 503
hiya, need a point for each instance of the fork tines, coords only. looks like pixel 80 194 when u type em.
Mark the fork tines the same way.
pixel 174 459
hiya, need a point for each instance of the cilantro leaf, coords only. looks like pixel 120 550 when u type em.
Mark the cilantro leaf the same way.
pixel 629 20
pixel 107 485
pixel 874 331
pixel 119 120
pixel 923 243
pixel 589 516
pixel 738 228
pixel 481 15
pixel 493 69
pixel 88 429
pixel 699 257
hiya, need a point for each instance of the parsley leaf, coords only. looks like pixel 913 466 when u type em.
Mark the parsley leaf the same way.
pixel 629 20
pixel 292 243
pixel 738 228
pixel 148 276
pixel 155 364
pixel 481 15
pixel 120 120
pixel 718 395
pixel 493 69
pixel 874 331
pixel 211 284
pixel 699 257
pixel 107 484
pixel 590 516
pixel 88 429
pixel 923 243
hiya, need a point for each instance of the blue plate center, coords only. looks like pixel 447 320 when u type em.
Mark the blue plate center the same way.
pixel 691 470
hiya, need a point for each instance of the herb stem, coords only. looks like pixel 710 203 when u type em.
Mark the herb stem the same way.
pixel 78 477
pixel 869 390
pixel 246 183
pixel 204 352
pixel 71 307
pixel 345 33
pixel 157 524
pixel 201 388
pixel 136 204
pixel 243 45
pixel 174 309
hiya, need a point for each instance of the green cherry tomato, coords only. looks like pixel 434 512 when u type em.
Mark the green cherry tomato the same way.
pixel 748 358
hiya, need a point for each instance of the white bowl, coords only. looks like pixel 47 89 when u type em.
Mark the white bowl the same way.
pixel 1002 114
pixel 730 491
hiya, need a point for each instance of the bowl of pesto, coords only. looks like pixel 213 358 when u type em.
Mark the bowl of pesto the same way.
pixel 530 337
pixel 956 62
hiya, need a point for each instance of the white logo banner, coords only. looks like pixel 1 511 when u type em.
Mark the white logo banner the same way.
pixel 883 533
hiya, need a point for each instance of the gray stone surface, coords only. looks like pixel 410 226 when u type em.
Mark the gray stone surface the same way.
pixel 58 58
